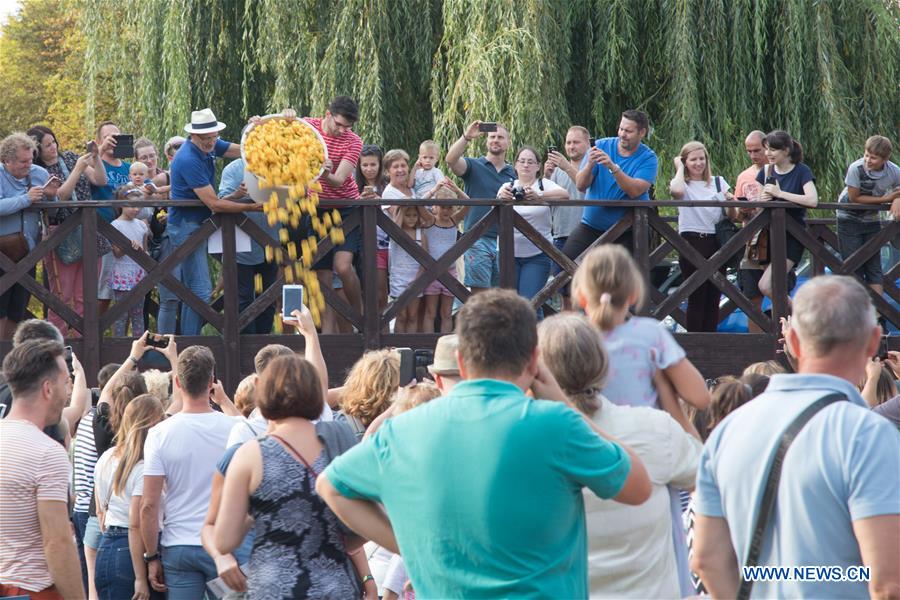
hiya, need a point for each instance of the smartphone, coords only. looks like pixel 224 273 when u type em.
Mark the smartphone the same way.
pixel 407 366
pixel 53 180
pixel 91 147
pixel 592 141
pixel 68 355
pixel 95 396
pixel 487 127
pixel 368 189
pixel 155 340
pixel 551 149
pixel 291 300
pixel 124 146
pixel 883 348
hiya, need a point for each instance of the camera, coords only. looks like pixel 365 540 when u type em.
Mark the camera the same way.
pixel 518 192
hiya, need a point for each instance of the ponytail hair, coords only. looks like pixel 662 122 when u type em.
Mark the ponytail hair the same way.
pixel 605 282
pixel 139 416
pixel 782 140
pixel 128 387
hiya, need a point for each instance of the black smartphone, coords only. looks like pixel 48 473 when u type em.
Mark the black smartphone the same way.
pixel 95 396
pixel 155 340
pixel 291 300
pixel 551 149
pixel 124 146
pixel 883 348
pixel 592 141
pixel 68 355
pixel 488 127
pixel 407 366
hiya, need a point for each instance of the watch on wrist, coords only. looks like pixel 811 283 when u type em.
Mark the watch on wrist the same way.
pixel 368 577
pixel 149 558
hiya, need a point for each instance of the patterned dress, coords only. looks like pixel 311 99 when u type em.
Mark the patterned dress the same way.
pixel 299 550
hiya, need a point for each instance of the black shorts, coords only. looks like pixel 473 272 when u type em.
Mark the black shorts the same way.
pixel 14 302
pixel 351 241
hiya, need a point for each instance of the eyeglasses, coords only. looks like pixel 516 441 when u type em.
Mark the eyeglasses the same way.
pixel 146 157
pixel 526 161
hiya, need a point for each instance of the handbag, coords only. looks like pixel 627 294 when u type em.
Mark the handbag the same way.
pixel 725 230
pixel 70 250
pixel 14 245
pixel 758 248
pixel 772 478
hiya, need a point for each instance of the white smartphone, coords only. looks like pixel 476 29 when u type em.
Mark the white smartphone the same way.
pixel 291 300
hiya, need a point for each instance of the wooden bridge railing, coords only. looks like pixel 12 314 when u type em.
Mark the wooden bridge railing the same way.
pixel 654 239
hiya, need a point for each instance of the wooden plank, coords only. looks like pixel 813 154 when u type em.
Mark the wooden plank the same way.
pixel 13 272
pixel 506 246
pixel 232 333
pixel 548 248
pixel 778 266
pixel 871 248
pixel 371 317
pixel 91 334
pixel 262 301
pixel 641 247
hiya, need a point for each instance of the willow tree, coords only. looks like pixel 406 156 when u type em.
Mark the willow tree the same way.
pixel 702 69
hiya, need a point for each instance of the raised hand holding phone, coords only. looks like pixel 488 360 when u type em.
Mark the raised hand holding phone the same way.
pixel 291 300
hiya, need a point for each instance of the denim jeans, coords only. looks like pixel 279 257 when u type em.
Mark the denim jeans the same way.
pixel 852 235
pixel 79 521
pixel 531 276
pixel 186 569
pixel 114 572
pixel 193 272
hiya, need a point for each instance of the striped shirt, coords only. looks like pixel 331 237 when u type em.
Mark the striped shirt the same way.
pixel 85 459
pixel 32 467
pixel 346 146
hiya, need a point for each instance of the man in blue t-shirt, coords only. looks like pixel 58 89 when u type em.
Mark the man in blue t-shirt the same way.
pixel 483 486
pixel 838 498
pixel 193 176
pixel 615 168
pixel 482 177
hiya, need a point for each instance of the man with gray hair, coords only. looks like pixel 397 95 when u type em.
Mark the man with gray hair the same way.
pixel 838 500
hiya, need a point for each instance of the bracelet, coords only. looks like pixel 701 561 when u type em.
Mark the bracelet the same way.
pixel 618 168
pixel 133 359
pixel 467 138
pixel 368 577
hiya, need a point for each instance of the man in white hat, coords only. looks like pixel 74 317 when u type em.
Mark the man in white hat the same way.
pixel 445 368
pixel 193 176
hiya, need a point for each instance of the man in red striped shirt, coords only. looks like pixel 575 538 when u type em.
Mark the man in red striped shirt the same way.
pixel 338 183
pixel 37 548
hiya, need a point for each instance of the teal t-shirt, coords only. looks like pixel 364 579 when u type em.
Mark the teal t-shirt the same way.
pixel 483 489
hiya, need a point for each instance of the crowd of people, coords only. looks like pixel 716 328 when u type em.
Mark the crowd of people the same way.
pixel 579 455
pixel 622 167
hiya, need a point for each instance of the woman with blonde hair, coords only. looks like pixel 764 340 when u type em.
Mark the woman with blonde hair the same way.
pixel 118 484
pixel 697 225
pixel 630 548
pixel 369 387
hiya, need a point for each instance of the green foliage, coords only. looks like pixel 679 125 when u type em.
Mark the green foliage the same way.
pixel 710 70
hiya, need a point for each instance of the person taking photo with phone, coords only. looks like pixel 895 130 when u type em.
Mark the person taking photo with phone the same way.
pixel 482 177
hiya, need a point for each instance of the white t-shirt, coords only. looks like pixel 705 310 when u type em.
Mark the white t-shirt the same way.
pixel 379 559
pixel 117 505
pixel 135 230
pixel 630 550
pixel 537 216
pixel 701 219
pixel 185 449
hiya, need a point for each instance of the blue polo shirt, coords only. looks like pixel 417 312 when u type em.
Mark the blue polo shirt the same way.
pixel 191 169
pixel 232 176
pixel 483 489
pixel 115 177
pixel 642 164
pixel 482 181
pixel 843 466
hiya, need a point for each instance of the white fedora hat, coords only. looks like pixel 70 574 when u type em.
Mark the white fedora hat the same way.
pixel 204 121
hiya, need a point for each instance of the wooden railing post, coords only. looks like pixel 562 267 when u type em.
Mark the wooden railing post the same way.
pixel 231 334
pixel 641 242
pixel 505 231
pixel 371 313
pixel 778 255
pixel 91 335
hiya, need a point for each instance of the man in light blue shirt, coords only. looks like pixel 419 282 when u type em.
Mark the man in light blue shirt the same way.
pixel 483 486
pixel 838 502
pixel 252 263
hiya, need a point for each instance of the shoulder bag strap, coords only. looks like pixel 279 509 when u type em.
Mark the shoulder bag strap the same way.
pixel 771 490
pixel 288 445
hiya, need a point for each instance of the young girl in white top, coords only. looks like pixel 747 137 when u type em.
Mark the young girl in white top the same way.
pixel 118 485
pixel 442 234
pixel 606 285
pixel 532 265
pixel 697 225
pixel 404 268
pixel 126 273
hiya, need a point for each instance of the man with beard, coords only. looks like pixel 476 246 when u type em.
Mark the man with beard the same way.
pixel 483 177
pixel 38 556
